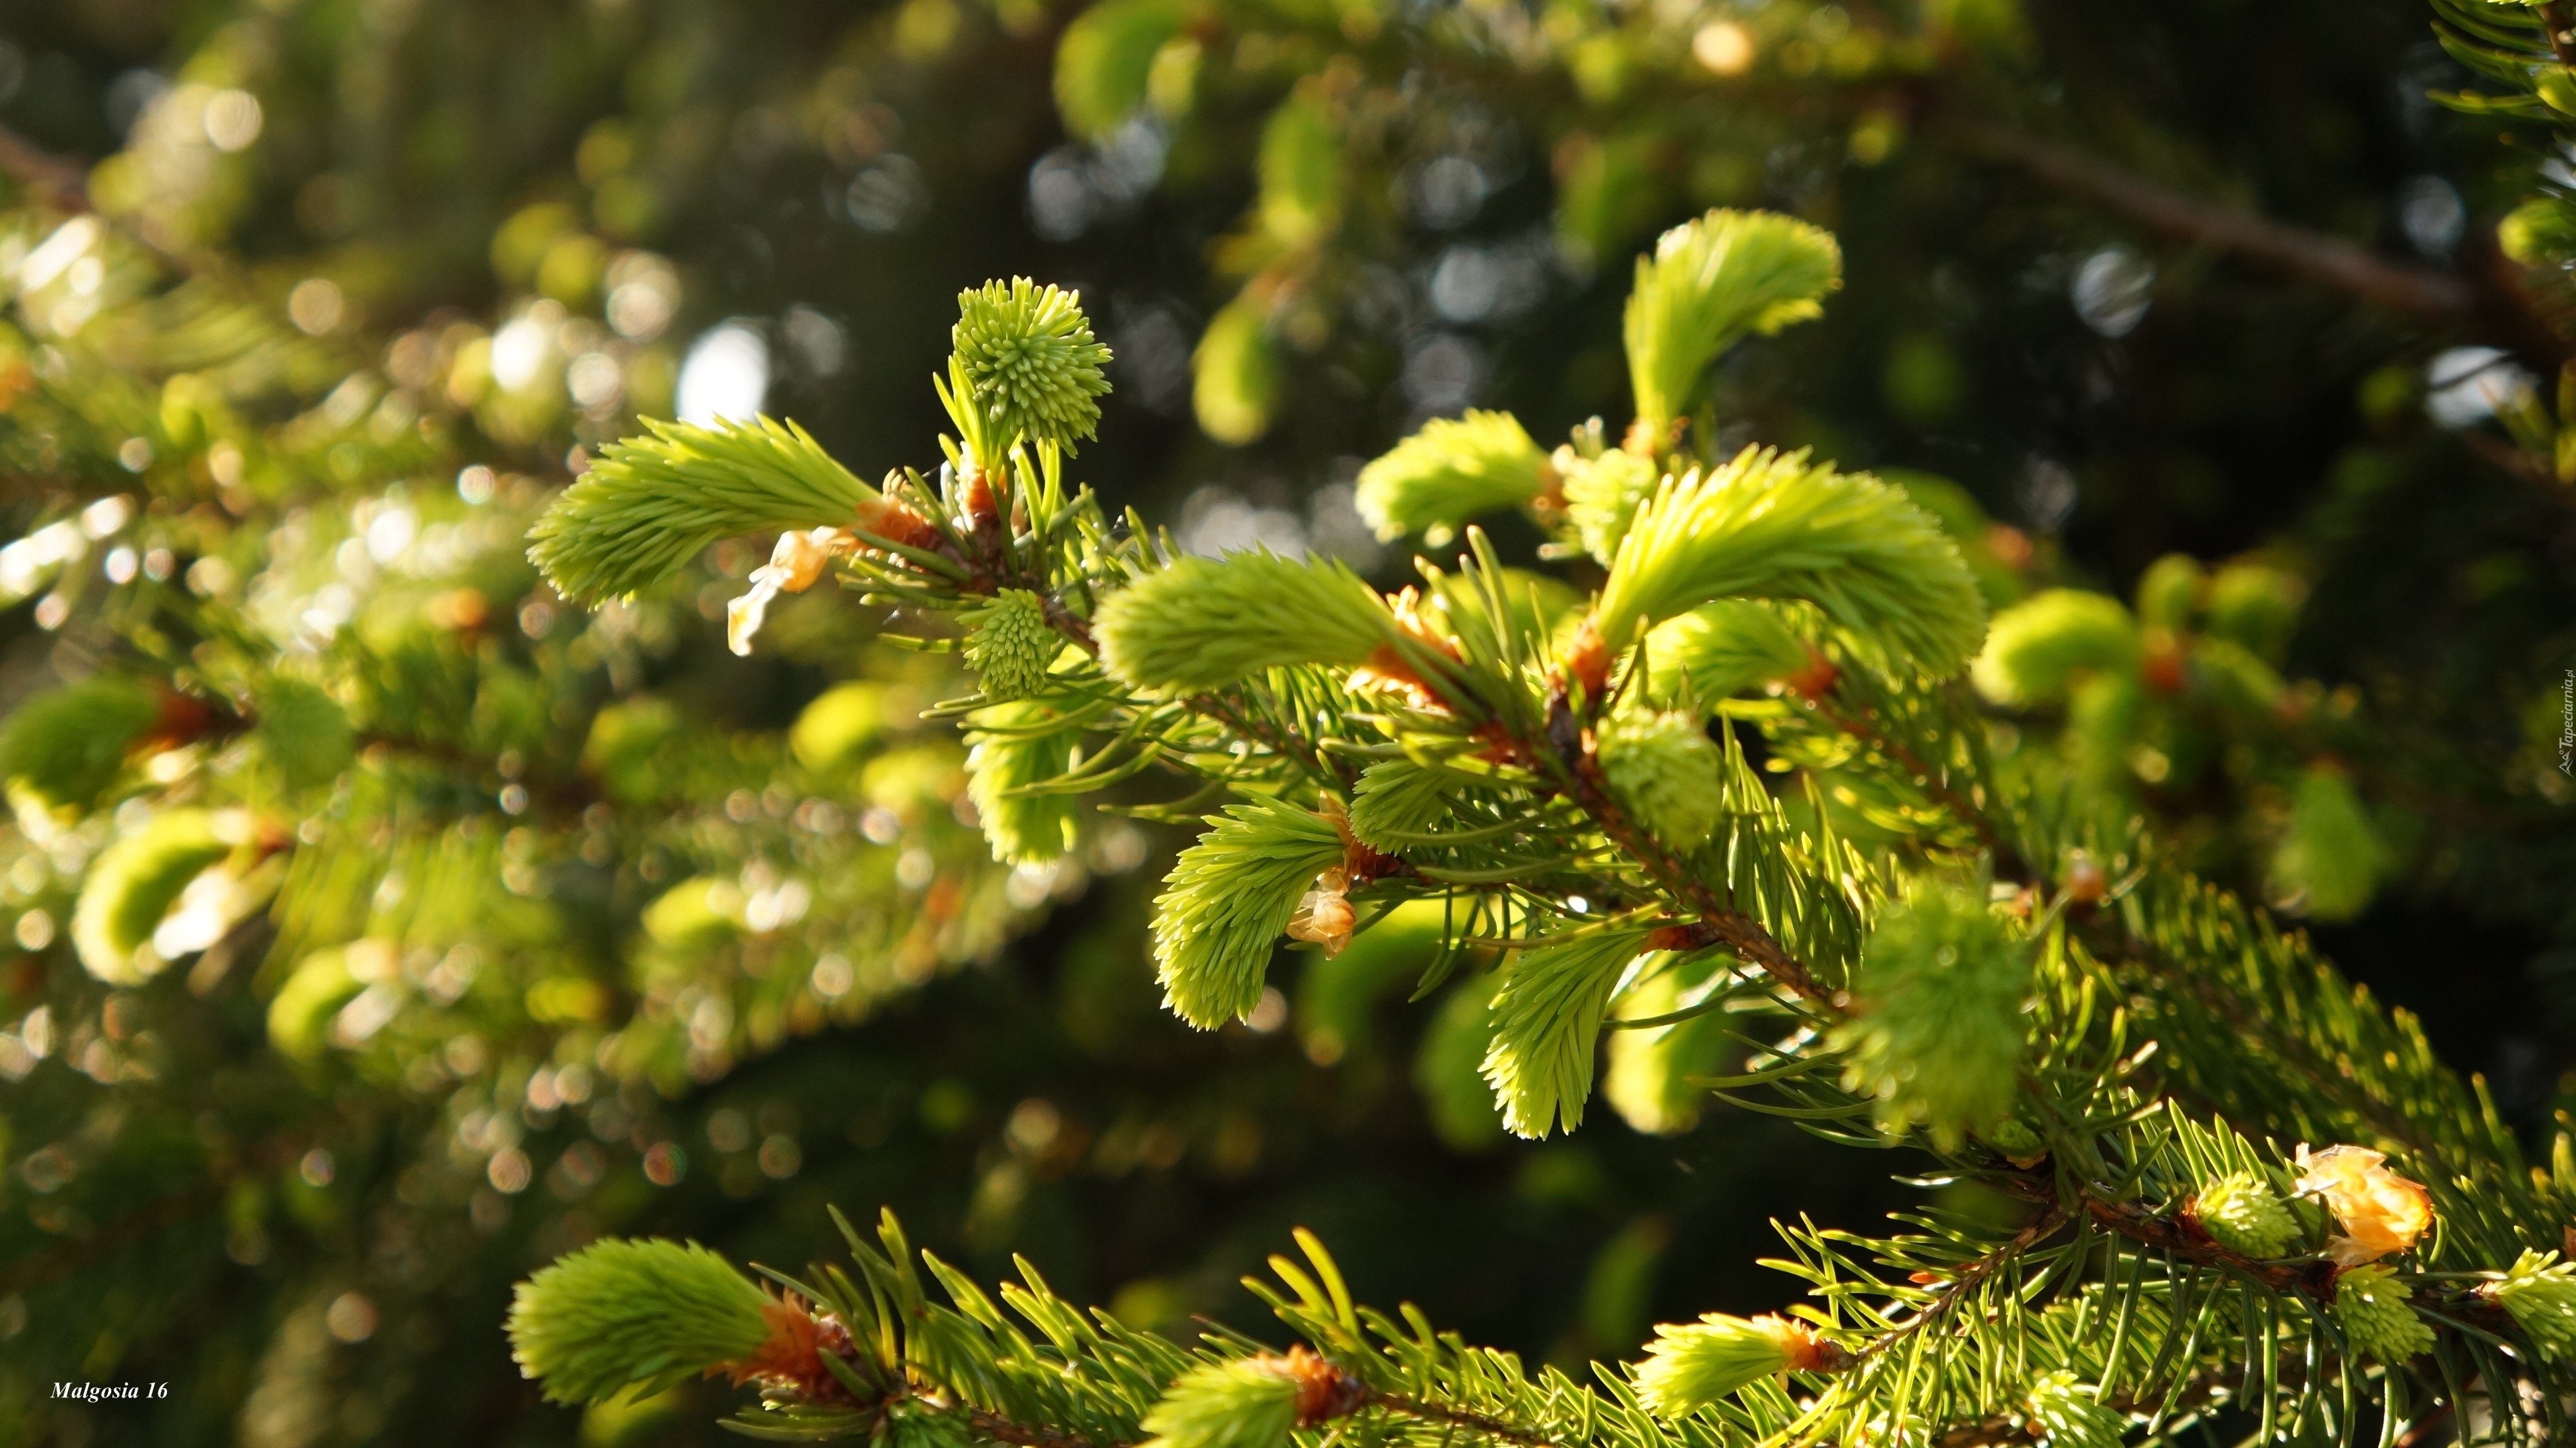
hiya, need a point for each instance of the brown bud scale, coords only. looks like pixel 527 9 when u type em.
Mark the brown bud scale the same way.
pixel 1324 1391
pixel 792 1358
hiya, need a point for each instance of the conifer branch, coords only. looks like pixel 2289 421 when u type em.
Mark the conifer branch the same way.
pixel 1479 1423
pixel 1963 1284
pixel 2008 863
pixel 1023 1435
pixel 1580 771
pixel 1465 739
pixel 2558 24
pixel 2110 940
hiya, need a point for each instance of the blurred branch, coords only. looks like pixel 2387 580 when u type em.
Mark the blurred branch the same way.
pixel 126 1232
pixel 60 183
pixel 2522 465
pixel 2559 22
pixel 2314 256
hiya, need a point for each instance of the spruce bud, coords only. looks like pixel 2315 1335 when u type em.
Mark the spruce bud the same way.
pixel 2015 1141
pixel 137 880
pixel 1937 1033
pixel 1724 648
pixel 1547 1010
pixel 302 1010
pixel 1692 1365
pixel 1229 898
pixel 1204 623
pixel 2380 1211
pixel 1012 645
pixel 1710 282
pixel 2540 1292
pixel 624 1312
pixel 1398 796
pixel 2069 1414
pixel 2332 857
pixel 66 746
pixel 648 504
pixel 304 731
pixel 1767 524
pixel 2256 606
pixel 2169 593
pixel 1106 66
pixel 2375 1317
pixel 1452 470
pixel 2036 648
pixel 1602 496
pixel 1029 355
pixel 1665 770
pixel 1010 748
pixel 2241 1213
pixel 1235 374
pixel 1251 1402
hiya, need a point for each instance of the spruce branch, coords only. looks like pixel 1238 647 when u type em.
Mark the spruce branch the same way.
pixel 2111 936
pixel 1776 525
pixel 1708 283
pixel 1450 471
pixel 620 1313
pixel 1483 1425
pixel 648 504
pixel 66 746
pixel 1578 772
pixel 1961 1286
pixel 1202 624
pixel 1546 765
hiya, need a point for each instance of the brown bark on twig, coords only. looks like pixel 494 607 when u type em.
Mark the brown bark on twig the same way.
pixel 2309 255
pixel 2558 20
pixel 1566 738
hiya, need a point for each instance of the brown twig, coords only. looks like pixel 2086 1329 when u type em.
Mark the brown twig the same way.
pixel 1455 1418
pixel 2039 1230
pixel 2008 862
pixel 2315 1277
pixel 2522 465
pixel 2558 22
pixel 1019 1434
pixel 1581 772
pixel 1287 743
pixel 2310 255
pixel 62 184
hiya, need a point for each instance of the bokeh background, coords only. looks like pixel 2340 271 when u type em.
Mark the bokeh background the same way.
pixel 312 302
